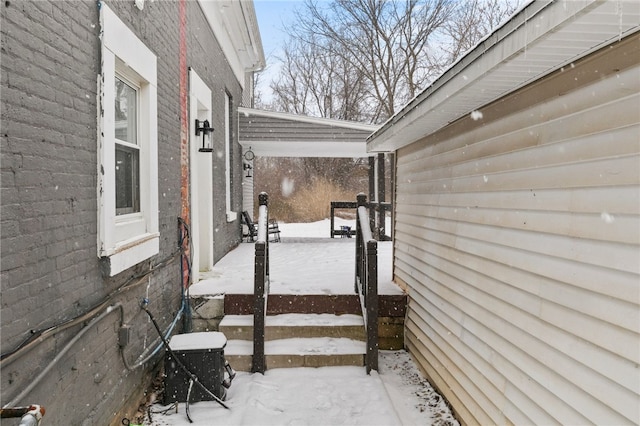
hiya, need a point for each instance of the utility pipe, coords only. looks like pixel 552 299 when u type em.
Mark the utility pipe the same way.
pixel 61 354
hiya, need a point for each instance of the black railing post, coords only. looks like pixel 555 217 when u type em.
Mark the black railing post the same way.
pixel 380 198
pixel 366 281
pixel 263 200
pixel 261 285
pixel 333 209
pixel 258 361
pixel 371 302
pixel 361 200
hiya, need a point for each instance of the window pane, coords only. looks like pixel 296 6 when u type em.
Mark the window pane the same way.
pixel 127 177
pixel 126 113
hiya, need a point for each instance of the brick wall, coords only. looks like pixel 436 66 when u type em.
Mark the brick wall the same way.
pixel 50 272
pixel 48 163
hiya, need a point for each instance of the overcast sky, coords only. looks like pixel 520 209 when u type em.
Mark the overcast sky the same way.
pixel 273 16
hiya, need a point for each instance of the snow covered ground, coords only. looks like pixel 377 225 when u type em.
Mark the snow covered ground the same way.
pixel 396 395
pixel 326 396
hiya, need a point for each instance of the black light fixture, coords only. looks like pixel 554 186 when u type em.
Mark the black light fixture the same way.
pixel 247 167
pixel 249 156
pixel 205 128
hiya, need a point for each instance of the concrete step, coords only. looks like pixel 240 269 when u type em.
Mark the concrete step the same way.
pixel 286 326
pixel 207 312
pixel 297 340
pixel 298 352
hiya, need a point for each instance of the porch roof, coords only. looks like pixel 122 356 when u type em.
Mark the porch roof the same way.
pixel 541 38
pixel 276 134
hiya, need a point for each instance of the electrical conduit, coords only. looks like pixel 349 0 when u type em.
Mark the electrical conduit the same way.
pixel 62 353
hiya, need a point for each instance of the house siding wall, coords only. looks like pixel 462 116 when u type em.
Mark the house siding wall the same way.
pixel 518 238
pixel 50 272
pixel 248 203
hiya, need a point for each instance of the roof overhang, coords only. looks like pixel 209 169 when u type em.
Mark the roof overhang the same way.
pixel 326 149
pixel 276 134
pixel 235 26
pixel 542 37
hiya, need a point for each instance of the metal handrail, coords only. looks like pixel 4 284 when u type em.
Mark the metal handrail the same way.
pixel 366 280
pixel 261 284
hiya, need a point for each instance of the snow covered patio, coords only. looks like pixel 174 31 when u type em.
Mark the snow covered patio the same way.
pixel 311 296
pixel 298 266
pixel 307 263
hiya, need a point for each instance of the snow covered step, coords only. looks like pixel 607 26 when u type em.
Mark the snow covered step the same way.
pixel 285 326
pixel 298 352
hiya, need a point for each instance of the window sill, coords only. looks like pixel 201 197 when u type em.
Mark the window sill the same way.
pixel 131 252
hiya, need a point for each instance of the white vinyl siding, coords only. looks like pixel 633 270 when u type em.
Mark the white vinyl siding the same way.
pixel 247 186
pixel 519 238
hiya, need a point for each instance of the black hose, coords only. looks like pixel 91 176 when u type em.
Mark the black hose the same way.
pixel 187 404
pixel 180 364
pixel 184 234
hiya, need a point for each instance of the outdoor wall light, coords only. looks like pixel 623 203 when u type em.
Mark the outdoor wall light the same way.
pixel 205 128
pixel 247 167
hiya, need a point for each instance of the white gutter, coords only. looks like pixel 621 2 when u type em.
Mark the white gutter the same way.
pixel 235 26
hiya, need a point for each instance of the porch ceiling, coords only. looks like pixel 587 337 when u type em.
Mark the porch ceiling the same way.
pixel 275 134
pixel 542 38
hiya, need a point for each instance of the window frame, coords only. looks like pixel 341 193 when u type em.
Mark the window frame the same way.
pixel 128 239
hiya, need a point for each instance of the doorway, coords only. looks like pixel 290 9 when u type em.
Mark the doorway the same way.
pixel 201 177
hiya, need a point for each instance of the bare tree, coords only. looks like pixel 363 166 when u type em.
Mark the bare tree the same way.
pixel 473 20
pixel 363 59
pixel 316 81
pixel 387 40
pixel 339 171
pixel 256 99
pixel 294 87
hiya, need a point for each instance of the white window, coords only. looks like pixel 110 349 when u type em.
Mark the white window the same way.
pixel 127 153
pixel 127 148
pixel 228 110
